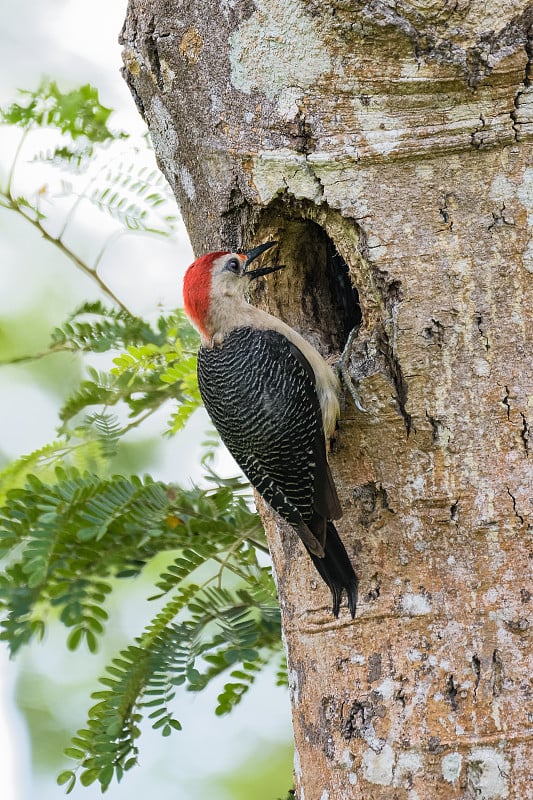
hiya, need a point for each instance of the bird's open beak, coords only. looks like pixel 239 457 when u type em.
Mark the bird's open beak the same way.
pixel 251 255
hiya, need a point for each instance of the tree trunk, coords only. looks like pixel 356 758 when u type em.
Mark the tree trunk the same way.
pixel 390 144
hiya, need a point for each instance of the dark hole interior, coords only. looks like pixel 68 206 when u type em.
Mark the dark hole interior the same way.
pixel 314 294
pixel 345 296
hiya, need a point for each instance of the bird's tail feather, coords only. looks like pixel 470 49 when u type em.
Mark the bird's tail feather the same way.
pixel 336 571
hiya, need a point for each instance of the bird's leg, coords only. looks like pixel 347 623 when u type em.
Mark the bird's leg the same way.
pixel 342 368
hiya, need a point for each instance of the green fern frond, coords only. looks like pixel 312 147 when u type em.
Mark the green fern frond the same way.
pixel 63 538
pixel 147 184
pixel 98 328
pixel 94 327
pixel 137 198
pixel 118 206
pixel 78 113
pixel 143 678
pixel 68 540
pixel 146 375
pixel 107 429
pixel 184 565
pixel 98 391
pixel 73 158
pixel 282 676
pixel 41 461
pixel 240 682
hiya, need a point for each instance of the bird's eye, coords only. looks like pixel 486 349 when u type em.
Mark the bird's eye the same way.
pixel 233 265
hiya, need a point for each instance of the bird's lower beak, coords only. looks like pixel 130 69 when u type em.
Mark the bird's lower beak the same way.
pixel 251 255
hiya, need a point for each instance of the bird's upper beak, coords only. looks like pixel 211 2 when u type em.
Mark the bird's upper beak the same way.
pixel 254 253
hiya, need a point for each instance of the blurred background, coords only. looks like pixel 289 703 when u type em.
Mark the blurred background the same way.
pixel 45 691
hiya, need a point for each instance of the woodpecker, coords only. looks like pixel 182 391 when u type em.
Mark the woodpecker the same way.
pixel 274 401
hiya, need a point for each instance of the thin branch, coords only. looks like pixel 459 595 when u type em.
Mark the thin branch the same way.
pixel 8 201
pixel 258 545
pixel 37 356
pixel 225 563
pixel 14 206
pixel 79 197
pixel 14 164
pixel 140 419
pixel 113 238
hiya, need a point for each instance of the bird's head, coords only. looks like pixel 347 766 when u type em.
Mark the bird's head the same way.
pixel 219 275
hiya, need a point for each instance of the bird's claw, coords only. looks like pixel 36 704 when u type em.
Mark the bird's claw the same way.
pixel 342 368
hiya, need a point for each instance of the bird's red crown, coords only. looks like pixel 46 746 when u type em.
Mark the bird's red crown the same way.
pixel 197 288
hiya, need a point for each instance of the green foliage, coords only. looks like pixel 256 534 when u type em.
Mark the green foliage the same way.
pixel 67 543
pixel 128 194
pixel 71 533
pixel 78 114
pixel 135 196
pixel 93 327
pixel 158 365
pixel 66 539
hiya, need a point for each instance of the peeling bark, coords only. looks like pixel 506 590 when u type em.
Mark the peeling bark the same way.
pixel 390 145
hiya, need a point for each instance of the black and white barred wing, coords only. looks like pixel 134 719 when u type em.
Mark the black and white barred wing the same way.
pixel 260 393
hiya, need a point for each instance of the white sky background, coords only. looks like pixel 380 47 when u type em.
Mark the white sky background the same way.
pixel 75 42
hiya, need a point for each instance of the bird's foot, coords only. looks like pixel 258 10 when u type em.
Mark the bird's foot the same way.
pixel 342 368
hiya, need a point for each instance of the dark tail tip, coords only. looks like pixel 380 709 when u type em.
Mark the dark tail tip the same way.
pixel 337 572
pixel 351 590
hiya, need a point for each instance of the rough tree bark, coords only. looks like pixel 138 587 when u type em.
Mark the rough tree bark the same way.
pixel 391 142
